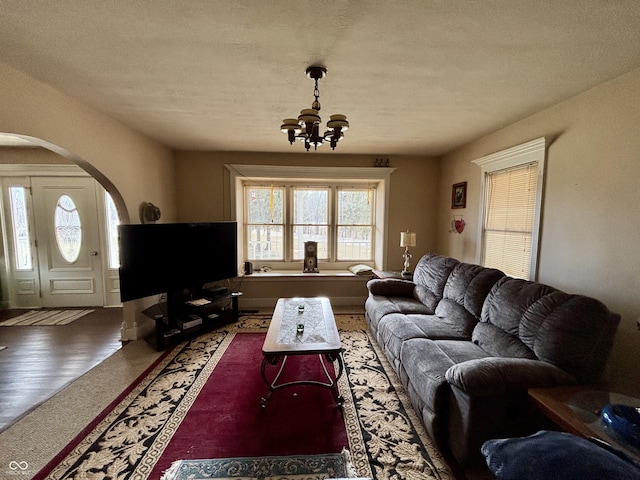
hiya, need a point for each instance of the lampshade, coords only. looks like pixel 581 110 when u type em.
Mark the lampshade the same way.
pixel 407 239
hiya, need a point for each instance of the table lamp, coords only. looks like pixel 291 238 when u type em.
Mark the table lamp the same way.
pixel 407 239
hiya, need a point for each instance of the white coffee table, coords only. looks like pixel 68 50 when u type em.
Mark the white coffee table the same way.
pixel 302 326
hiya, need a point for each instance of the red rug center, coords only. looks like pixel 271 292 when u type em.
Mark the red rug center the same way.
pixel 226 420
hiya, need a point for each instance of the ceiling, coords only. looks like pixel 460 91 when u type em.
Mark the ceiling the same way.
pixel 413 77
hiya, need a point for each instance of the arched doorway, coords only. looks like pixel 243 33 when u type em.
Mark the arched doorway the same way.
pixel 59 231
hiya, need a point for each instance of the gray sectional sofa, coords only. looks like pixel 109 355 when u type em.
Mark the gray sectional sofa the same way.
pixel 467 342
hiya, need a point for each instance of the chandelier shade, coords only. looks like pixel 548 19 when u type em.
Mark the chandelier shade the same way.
pixel 306 127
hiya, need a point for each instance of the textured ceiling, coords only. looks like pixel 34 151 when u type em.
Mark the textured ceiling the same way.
pixel 413 77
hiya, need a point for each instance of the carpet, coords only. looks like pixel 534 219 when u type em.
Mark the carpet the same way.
pixel 45 317
pixel 133 437
pixel 308 467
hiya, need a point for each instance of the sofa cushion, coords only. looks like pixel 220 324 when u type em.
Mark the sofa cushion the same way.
pixel 425 366
pixel 427 361
pixel 509 299
pixel 499 343
pixel 394 329
pixel 378 306
pixel 430 276
pixel 464 294
pixel 572 332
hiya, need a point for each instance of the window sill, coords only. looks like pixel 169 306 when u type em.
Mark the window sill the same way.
pixel 296 275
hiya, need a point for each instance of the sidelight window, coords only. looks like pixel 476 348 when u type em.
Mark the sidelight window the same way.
pixel 113 220
pixel 21 236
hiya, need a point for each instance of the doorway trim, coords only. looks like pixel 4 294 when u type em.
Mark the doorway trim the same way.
pixel 111 293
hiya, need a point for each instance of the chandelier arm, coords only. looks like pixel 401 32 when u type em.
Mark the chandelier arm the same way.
pixel 307 126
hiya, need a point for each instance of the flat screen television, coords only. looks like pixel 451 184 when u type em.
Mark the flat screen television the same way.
pixel 167 257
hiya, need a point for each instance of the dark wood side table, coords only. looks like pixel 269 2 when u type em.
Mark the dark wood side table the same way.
pixel 390 274
pixel 577 410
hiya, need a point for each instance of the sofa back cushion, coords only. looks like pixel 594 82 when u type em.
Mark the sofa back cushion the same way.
pixel 531 320
pixel 464 294
pixel 430 276
pixel 573 332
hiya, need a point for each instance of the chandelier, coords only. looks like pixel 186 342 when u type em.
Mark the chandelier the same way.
pixel 307 126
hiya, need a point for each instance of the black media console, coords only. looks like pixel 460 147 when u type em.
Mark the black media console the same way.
pixel 181 318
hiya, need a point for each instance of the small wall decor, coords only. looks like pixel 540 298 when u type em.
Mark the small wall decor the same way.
pixel 459 195
pixel 457 225
pixel 149 213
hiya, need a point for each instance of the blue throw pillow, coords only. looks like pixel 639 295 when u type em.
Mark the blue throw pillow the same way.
pixel 556 456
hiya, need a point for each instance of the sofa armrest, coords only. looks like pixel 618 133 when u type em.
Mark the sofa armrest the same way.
pixel 391 287
pixel 499 375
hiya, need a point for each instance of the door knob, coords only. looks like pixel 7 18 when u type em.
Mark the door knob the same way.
pixel 94 253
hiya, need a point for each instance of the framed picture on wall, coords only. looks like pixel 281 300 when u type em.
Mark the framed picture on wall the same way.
pixel 459 195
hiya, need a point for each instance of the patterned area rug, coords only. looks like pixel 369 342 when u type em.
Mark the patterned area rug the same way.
pixel 45 317
pixel 386 438
pixel 308 467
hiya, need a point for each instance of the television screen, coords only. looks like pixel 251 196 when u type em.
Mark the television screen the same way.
pixel 165 257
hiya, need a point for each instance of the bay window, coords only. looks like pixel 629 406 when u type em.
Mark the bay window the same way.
pixel 278 209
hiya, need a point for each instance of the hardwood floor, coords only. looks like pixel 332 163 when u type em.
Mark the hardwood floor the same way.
pixel 41 360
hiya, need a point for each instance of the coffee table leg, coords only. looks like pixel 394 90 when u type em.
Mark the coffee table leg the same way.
pixel 271 359
pixel 265 400
pixel 334 383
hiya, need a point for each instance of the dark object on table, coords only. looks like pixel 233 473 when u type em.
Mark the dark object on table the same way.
pixel 624 421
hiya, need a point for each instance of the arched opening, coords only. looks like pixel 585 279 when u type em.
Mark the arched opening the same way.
pixel 36 176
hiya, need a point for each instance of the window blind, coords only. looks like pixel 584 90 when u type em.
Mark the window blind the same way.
pixel 509 219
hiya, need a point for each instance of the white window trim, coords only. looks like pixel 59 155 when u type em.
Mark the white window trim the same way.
pixel 530 152
pixel 381 176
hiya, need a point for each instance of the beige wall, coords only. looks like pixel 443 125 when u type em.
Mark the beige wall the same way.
pixel 591 222
pixel 25 156
pixel 130 166
pixel 203 195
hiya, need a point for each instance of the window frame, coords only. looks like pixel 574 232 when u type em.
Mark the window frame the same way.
pixel 533 152
pixel 291 224
pixel 378 178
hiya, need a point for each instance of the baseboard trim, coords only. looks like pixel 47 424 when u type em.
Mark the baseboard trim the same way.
pixel 137 331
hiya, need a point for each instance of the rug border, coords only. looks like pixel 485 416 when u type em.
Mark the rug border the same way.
pixel 160 443
pixel 57 460
pixel 344 454
pixel 358 447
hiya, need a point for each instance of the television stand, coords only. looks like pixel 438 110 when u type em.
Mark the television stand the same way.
pixel 177 321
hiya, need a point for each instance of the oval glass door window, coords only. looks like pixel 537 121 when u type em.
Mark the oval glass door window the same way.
pixel 68 228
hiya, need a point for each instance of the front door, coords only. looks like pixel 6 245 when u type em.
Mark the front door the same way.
pixel 66 218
